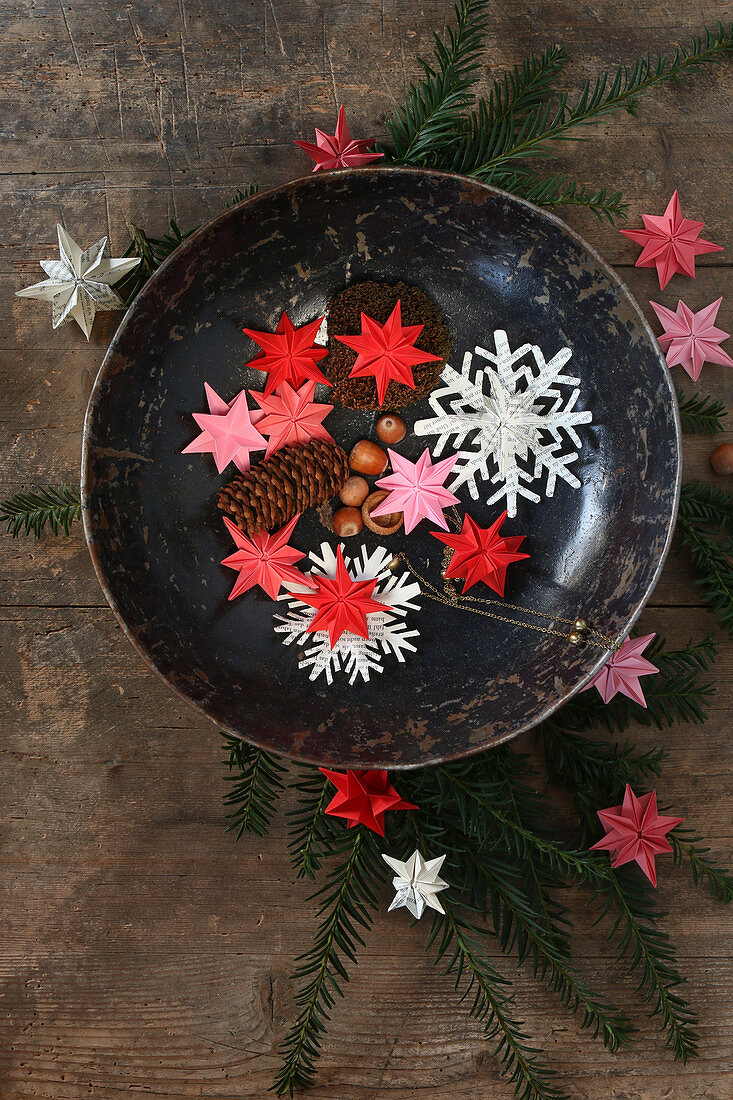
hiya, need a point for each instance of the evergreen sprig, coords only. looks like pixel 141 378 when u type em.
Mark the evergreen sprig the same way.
pixel 705 531
pixel 33 511
pixel 311 831
pixel 257 778
pixel 700 414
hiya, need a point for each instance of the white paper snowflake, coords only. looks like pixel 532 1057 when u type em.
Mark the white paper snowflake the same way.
pixel 388 632
pixel 502 415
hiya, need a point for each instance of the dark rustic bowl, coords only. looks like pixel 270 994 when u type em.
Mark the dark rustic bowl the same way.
pixel 156 539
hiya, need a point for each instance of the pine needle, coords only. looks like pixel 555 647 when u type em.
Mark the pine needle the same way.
pixel 33 511
pixel 700 414
pixel 259 779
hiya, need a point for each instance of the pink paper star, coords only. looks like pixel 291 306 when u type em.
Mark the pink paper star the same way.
pixel 622 670
pixel 228 431
pixel 635 831
pixel 692 339
pixel 264 559
pixel 291 416
pixel 416 489
pixel 387 351
pixel 670 242
pixel 339 150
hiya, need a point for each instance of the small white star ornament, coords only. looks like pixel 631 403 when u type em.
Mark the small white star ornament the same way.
pixel 80 282
pixel 417 883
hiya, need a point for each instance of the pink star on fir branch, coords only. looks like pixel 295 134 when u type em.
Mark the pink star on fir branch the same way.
pixel 692 339
pixel 670 242
pixel 387 351
pixel 635 831
pixel 417 490
pixel 291 416
pixel 227 431
pixel 289 354
pixel 339 150
pixel 622 670
pixel 264 559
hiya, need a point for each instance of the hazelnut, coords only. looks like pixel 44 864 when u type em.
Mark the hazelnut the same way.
pixel 380 525
pixel 391 428
pixel 368 458
pixel 347 522
pixel 721 459
pixel 354 491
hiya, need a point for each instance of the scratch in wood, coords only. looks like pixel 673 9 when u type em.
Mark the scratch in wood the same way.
pixel 386 83
pixel 405 81
pixel 327 61
pixel 109 221
pixel 81 75
pixel 198 135
pixel 277 28
pixel 119 94
pixel 382 18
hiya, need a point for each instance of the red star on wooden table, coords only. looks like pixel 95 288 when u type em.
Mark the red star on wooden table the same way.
pixel 341 604
pixel 635 831
pixel 692 339
pixel 289 354
pixel 481 553
pixel 265 559
pixel 670 242
pixel 291 416
pixel 338 150
pixel 387 351
pixel 364 798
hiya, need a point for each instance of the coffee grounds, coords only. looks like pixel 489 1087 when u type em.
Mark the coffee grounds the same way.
pixel 378 300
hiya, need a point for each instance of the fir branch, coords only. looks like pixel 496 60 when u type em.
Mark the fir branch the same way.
pixel 705 531
pixel 508 141
pixel 700 414
pixel 311 835
pixel 347 900
pixel 456 942
pixel 252 798
pixel 243 193
pixel 562 191
pixel 718 879
pixel 152 251
pixel 41 507
pixel 428 117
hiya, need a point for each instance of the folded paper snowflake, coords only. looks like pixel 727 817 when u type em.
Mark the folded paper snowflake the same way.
pixel 417 883
pixel 512 421
pixel 351 653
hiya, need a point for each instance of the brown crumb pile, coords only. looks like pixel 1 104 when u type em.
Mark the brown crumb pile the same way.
pixel 378 300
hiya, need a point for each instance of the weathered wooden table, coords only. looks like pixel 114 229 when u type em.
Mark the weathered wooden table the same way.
pixel 141 950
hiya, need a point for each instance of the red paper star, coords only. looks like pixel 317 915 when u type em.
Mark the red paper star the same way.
pixel 481 553
pixel 291 416
pixel 364 798
pixel 622 670
pixel 289 354
pixel 264 559
pixel 670 242
pixel 387 351
pixel 341 603
pixel 227 431
pixel 636 831
pixel 339 150
pixel 692 339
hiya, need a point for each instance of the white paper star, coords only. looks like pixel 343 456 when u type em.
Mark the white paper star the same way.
pixel 417 883
pixel 79 283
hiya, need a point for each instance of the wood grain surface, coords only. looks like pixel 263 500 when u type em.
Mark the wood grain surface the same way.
pixel 142 951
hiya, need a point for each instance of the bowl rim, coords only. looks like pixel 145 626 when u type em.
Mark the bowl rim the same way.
pixel 191 243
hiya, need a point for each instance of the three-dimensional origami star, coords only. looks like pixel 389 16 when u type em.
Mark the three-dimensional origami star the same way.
pixel 635 831
pixel 387 351
pixel 229 434
pixel 80 282
pixel 670 242
pixel 341 604
pixel 204 443
pixel 622 670
pixel 481 553
pixel 416 489
pixel 291 416
pixel 339 150
pixel 417 883
pixel 364 798
pixel 265 560
pixel 289 354
pixel 690 338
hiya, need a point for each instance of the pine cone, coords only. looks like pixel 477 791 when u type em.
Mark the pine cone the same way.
pixel 293 479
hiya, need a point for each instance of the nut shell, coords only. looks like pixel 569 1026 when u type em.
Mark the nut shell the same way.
pixel 368 458
pixel 391 428
pixel 380 525
pixel 347 522
pixel 354 492
pixel 721 459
